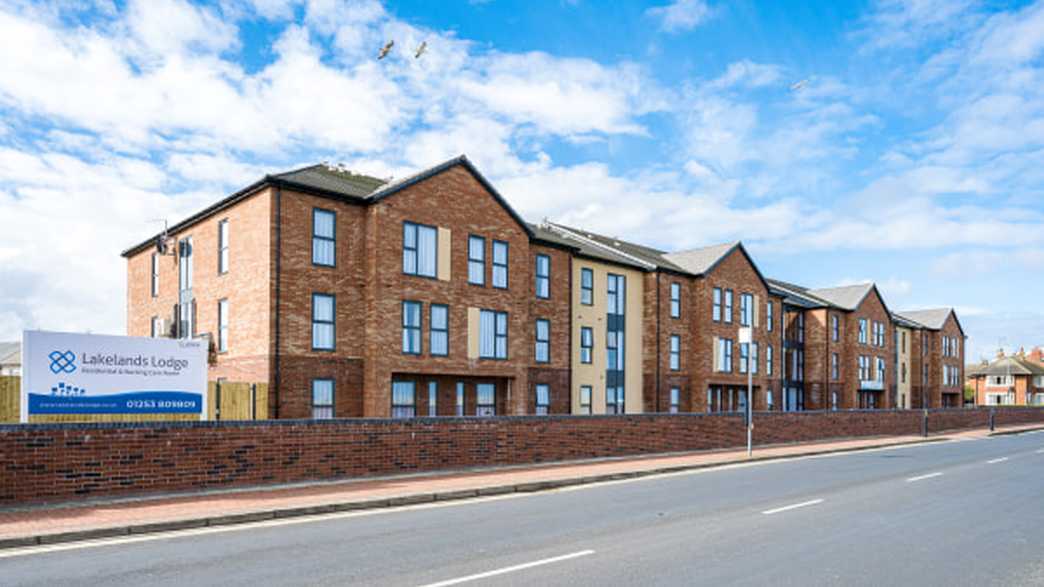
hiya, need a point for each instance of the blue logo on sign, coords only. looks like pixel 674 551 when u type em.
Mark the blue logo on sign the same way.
pixel 62 362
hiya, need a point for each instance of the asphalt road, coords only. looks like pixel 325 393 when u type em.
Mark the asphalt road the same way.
pixel 953 513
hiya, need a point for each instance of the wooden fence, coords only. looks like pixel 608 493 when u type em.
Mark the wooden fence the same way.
pixel 225 401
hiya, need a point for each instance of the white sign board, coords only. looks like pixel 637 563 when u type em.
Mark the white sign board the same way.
pixel 746 335
pixel 65 373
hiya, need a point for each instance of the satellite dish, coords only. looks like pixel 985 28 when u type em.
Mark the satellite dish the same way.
pixel 161 244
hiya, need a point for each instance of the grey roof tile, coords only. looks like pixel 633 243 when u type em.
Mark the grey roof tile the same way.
pixel 701 260
pixel 332 179
pixel 846 297
pixel 934 318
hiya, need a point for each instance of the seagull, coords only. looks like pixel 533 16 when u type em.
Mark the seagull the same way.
pixel 421 49
pixel 385 50
pixel 795 87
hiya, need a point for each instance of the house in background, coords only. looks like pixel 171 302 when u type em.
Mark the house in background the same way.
pixel 1016 380
pixel 10 358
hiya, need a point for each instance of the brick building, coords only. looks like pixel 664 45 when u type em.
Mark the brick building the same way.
pixel 1015 380
pixel 355 296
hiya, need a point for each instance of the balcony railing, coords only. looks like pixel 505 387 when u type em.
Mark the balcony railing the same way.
pixel 872 385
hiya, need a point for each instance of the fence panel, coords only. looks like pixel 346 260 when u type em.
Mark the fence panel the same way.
pixel 10 390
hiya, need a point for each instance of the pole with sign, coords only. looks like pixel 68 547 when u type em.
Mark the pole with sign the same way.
pixel 746 336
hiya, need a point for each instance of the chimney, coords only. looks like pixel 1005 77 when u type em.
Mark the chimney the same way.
pixel 1022 352
pixel 1000 353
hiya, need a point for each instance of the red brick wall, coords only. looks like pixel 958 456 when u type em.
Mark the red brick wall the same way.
pixel 656 397
pixel 61 462
pixel 873 310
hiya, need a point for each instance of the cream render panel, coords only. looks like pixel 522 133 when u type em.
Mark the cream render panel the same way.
pixel 444 258
pixel 473 333
pixel 594 317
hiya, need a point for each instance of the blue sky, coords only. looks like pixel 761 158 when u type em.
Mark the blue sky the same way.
pixel 898 142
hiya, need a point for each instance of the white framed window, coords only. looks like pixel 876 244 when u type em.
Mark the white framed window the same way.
pixel 675 399
pixel 543 340
pixel 404 404
pixel 500 264
pixel 324 237
pixel 323 322
pixel 223 246
pixel 476 260
pixel 675 300
pixel 222 338
pixel 675 359
pixel 543 399
pixel 543 276
pixel 420 246
pixel 322 399
pixel 438 325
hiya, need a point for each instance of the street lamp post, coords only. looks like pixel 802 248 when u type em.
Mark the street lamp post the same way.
pixel 746 337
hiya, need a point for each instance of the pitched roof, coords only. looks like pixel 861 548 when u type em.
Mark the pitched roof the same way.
pixel 905 322
pixel 933 319
pixel 583 244
pixel 796 295
pixel 846 297
pixel 1012 365
pixel 10 353
pixel 646 257
pixel 703 259
pixel 334 179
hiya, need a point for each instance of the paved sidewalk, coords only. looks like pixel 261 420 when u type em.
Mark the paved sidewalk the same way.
pixel 97 519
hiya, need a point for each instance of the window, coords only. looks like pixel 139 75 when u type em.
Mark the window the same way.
pixel 675 352
pixel 801 327
pixel 716 314
pixel 835 367
pixel 862 331
pixel 486 402
pixel 744 357
pixel 500 264
pixel 833 400
pixel 724 355
pixel 585 399
pixel 543 341
pixel 322 399
pixel 768 361
pixel 769 306
pixel 543 399
pixel 223 246
pixel 586 287
pixel 586 344
pixel 880 369
pixel 324 237
pixel 835 328
pixel 460 398
pixel 797 365
pixel 492 334
pixel 420 245
pixel 403 404
pixel 864 368
pixel 222 338
pixel 438 323
pixel 433 398
pixel 904 342
pixel 155 274
pixel 728 305
pixel 476 260
pixel 185 264
pixel 543 276
pixel 675 399
pixel 323 322
pixel 903 373
pixel 675 300
pixel 746 309
pixel 411 328
pixel 754 358
pixel 157 327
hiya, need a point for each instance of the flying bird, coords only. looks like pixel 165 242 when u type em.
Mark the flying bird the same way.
pixel 795 87
pixel 385 50
pixel 421 49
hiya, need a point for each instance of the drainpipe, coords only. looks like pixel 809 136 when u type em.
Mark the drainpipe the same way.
pixel 658 409
pixel 278 267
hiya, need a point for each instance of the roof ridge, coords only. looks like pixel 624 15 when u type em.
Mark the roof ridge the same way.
pixel 571 234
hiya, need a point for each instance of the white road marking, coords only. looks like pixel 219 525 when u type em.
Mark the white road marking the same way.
pixel 995 461
pixel 511 569
pixel 792 507
pixel 923 477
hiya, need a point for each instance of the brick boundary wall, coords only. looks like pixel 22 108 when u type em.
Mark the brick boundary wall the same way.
pixel 60 462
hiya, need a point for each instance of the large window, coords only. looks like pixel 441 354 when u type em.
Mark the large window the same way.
pixel 716 314
pixel 543 341
pixel 500 264
pixel 746 309
pixel 486 399
pixel 222 338
pixel 586 344
pixel 585 399
pixel 324 237
pixel 675 399
pixel 155 274
pixel 433 398
pixel 322 399
pixel 675 300
pixel 404 403
pixel 223 246
pixel 493 335
pixel 880 374
pixel 754 358
pixel 586 287
pixel 543 276
pixel 411 328
pixel 323 312
pixel 864 368
pixel 728 305
pixel 543 399
pixel 744 357
pixel 476 260
pixel 675 352
pixel 420 245
pixel 438 323
pixel 724 355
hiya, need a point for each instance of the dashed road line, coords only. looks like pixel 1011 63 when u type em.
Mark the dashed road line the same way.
pixel 923 477
pixel 792 507
pixel 995 461
pixel 511 569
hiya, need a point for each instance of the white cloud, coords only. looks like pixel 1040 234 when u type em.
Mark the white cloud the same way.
pixel 681 15
pixel 164 27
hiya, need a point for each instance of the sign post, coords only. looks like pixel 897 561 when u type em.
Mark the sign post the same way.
pixel 84 374
pixel 746 336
